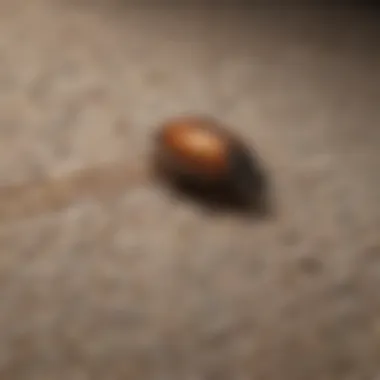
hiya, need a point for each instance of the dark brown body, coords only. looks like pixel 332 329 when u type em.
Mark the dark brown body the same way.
pixel 200 153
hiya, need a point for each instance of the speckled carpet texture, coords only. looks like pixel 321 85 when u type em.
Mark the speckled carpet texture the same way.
pixel 104 274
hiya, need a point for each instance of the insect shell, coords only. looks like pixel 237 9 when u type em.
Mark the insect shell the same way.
pixel 200 152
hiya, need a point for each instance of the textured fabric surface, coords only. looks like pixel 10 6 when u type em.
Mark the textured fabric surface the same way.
pixel 104 275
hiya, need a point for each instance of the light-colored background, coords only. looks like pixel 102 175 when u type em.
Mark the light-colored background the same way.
pixel 142 286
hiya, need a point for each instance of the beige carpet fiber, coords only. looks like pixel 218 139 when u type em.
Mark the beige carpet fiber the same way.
pixel 105 275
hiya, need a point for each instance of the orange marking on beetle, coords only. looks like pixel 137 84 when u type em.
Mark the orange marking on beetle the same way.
pixel 195 145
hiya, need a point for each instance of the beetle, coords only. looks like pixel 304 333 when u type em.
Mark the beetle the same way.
pixel 200 153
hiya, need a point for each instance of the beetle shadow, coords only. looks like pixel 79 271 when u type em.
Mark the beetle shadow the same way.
pixel 224 200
